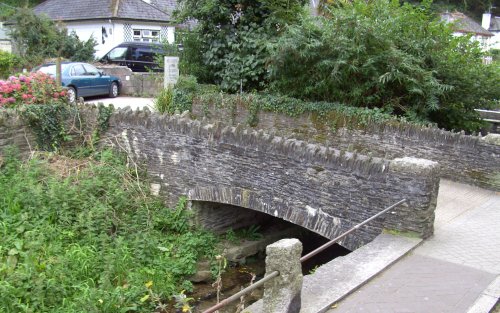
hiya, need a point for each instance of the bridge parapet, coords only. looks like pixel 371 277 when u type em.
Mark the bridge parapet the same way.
pixel 464 158
pixel 320 188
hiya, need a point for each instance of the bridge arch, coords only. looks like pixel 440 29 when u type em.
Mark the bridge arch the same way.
pixel 309 218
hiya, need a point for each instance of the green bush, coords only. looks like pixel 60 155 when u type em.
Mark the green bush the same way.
pixel 38 38
pixel 229 45
pixel 8 62
pixel 88 237
pixel 164 101
pixel 380 54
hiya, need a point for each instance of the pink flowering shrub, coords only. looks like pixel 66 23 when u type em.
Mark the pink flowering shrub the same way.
pixel 36 88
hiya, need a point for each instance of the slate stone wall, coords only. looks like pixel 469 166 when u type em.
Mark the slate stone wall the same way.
pixel 467 159
pixel 320 188
pixel 13 133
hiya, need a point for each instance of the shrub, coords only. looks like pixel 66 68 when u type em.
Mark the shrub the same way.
pixel 36 88
pixel 385 55
pixel 38 38
pixel 233 38
pixel 7 63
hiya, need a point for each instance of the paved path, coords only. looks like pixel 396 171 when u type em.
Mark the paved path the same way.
pixel 450 271
pixel 122 102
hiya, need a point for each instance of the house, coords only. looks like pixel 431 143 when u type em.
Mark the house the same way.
pixel 492 24
pixel 464 25
pixel 5 43
pixel 111 22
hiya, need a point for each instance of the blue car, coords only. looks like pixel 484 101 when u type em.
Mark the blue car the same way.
pixel 84 80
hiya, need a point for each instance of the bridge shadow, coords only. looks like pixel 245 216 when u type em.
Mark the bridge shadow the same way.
pixel 314 220
pixel 225 219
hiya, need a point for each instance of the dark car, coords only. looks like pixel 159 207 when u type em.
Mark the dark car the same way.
pixel 138 56
pixel 84 80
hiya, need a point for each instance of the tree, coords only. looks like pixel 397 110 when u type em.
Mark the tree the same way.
pixel 8 7
pixel 37 38
pixel 385 55
pixel 233 35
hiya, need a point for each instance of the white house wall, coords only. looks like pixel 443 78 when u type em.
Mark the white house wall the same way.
pixel 495 41
pixel 115 32
pixel 484 41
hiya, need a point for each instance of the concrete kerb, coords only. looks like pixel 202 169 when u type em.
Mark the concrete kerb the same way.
pixel 488 299
pixel 344 275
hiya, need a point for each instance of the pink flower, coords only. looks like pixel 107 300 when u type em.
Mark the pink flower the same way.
pixel 55 95
pixel 11 100
pixel 25 96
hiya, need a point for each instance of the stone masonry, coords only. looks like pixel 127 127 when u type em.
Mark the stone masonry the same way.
pixel 282 294
pixel 319 188
pixel 467 159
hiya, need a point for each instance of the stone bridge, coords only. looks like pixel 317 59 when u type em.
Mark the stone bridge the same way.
pixel 319 188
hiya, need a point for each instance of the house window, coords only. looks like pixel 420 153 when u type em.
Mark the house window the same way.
pixel 147 35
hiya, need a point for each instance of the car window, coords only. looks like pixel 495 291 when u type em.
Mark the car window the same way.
pixel 142 54
pixel 91 70
pixel 117 53
pixel 51 69
pixel 77 70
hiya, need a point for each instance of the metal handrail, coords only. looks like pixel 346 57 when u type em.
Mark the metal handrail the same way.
pixel 242 292
pixel 334 240
pixel 302 259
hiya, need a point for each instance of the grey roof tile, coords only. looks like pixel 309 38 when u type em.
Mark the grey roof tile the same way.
pixel 68 10
pixel 464 24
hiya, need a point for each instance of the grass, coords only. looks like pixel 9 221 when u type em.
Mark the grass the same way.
pixel 86 236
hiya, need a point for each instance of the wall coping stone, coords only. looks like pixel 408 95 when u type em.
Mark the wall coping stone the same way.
pixel 492 139
pixel 414 165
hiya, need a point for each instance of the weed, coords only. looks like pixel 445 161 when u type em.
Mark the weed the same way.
pixel 251 233
pixel 91 240
pixel 164 102
pixel 231 236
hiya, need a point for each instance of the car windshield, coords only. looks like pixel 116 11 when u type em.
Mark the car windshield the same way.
pixel 117 53
pixel 51 69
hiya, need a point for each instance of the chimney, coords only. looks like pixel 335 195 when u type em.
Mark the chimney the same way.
pixel 485 23
pixel 313 7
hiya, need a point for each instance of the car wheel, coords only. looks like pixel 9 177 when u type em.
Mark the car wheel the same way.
pixel 113 90
pixel 72 94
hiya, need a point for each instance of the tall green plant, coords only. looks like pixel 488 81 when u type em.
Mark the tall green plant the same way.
pixel 233 36
pixel 7 63
pixel 38 38
pixel 386 55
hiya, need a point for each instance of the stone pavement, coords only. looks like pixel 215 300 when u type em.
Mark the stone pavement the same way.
pixel 449 272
